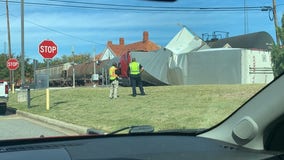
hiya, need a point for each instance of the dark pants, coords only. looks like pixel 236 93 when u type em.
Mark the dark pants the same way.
pixel 136 80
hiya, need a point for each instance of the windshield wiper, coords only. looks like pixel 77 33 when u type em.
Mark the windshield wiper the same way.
pixel 135 129
pixel 142 129
pixel 183 131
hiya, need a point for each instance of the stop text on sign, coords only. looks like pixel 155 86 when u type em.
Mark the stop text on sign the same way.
pixel 48 49
pixel 12 64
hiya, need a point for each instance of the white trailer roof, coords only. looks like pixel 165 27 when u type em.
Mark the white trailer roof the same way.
pixel 185 41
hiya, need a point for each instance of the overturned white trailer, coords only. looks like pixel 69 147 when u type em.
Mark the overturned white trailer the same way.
pixel 209 66
pixel 189 60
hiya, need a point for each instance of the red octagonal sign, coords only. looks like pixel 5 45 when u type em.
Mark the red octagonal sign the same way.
pixel 12 64
pixel 48 49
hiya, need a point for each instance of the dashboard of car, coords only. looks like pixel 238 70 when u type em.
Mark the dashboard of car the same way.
pixel 129 147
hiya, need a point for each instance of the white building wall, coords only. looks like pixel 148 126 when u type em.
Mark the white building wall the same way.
pixel 107 54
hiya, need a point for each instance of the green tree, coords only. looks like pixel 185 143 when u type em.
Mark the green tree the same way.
pixel 4 71
pixel 277 58
pixel 77 58
pixel 277 53
pixel 280 30
pixel 29 65
pixel 28 71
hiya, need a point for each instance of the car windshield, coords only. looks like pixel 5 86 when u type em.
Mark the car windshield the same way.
pixel 75 67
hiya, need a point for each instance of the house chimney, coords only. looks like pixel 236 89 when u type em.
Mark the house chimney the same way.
pixel 121 41
pixel 109 43
pixel 145 36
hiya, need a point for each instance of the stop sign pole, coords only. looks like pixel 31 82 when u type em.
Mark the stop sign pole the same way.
pixel 47 49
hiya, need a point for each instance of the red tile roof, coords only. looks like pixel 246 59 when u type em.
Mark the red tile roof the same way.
pixel 119 49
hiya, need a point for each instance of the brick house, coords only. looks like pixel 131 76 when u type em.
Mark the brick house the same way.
pixel 116 50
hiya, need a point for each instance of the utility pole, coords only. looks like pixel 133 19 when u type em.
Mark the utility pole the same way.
pixel 275 22
pixel 9 41
pixel 245 18
pixel 95 62
pixel 23 80
pixel 73 69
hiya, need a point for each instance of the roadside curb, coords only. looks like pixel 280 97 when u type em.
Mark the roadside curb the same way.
pixel 81 130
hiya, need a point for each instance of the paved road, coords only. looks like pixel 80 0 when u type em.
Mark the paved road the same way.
pixel 14 126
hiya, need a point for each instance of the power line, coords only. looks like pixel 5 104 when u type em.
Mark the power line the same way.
pixel 153 7
pixel 53 30
pixel 66 34
pixel 104 6
pixel 63 33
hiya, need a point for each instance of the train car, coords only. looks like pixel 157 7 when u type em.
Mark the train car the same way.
pixel 57 74
pixel 83 73
pixel 62 75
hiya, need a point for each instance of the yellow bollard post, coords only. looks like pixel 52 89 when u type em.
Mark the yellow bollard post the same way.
pixel 13 88
pixel 47 99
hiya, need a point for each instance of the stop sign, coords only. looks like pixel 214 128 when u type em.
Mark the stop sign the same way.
pixel 47 49
pixel 12 64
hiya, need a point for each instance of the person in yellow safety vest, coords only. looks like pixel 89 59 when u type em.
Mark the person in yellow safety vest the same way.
pixel 113 77
pixel 134 71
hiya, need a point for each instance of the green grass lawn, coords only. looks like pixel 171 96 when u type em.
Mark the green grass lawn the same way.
pixel 164 107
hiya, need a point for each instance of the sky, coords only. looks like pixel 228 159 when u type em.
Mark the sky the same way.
pixel 85 26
